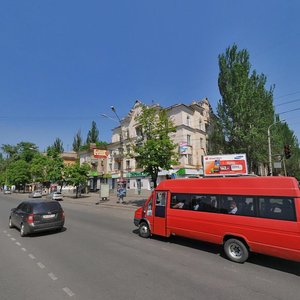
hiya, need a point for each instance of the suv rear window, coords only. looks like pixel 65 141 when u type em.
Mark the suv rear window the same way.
pixel 46 207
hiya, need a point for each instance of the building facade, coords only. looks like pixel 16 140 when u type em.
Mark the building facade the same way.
pixel 192 126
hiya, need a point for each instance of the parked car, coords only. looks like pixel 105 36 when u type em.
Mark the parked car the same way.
pixel 55 196
pixel 35 194
pixel 37 215
pixel 7 192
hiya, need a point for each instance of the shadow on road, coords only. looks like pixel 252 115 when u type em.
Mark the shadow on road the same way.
pixel 275 263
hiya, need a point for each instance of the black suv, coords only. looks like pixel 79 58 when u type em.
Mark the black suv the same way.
pixel 35 216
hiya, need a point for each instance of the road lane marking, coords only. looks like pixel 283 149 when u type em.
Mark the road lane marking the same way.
pixel 263 279
pixel 31 256
pixel 68 291
pixel 41 265
pixel 17 243
pixel 24 249
pixel 8 234
pixel 13 239
pixel 52 276
pixel 4 231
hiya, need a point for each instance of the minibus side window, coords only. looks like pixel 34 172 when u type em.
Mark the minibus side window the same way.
pixel 204 203
pixel 181 201
pixel 161 198
pixel 237 205
pixel 277 208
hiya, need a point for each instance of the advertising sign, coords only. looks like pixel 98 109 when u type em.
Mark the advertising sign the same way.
pixel 98 153
pixel 227 164
pixel 183 148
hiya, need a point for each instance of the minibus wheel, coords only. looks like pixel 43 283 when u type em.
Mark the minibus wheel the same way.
pixel 144 230
pixel 236 250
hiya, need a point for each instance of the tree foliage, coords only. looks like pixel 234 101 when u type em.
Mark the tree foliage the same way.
pixel 57 146
pixel 93 134
pixel 18 173
pixel 77 175
pixel 157 150
pixel 246 108
pixel 77 142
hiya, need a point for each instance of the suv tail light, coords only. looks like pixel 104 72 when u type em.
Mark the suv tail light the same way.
pixel 63 215
pixel 30 219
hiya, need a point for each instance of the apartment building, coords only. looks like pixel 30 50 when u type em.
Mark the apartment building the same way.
pixel 192 125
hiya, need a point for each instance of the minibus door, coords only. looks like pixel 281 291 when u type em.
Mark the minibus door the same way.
pixel 160 213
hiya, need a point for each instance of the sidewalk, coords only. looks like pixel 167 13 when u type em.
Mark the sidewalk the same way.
pixel 92 199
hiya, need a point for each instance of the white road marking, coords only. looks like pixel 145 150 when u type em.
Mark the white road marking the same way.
pixel 52 276
pixel 68 291
pixel 13 239
pixel 8 235
pixel 41 265
pixel 24 249
pixel 17 243
pixel 31 256
pixel 263 279
pixel 4 231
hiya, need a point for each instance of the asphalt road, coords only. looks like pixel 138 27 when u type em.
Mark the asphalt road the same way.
pixel 101 256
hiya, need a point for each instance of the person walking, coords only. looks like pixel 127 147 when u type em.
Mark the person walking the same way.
pixel 121 193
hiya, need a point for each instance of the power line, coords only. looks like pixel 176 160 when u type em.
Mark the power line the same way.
pixel 289 111
pixel 287 102
pixel 294 93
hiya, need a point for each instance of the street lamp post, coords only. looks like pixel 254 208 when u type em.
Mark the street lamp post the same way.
pixel 269 146
pixel 121 144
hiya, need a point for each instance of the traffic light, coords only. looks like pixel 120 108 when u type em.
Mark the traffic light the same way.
pixel 287 151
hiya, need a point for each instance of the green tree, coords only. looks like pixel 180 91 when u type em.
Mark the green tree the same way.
pixel 39 168
pixel 93 134
pixel 77 142
pixel 55 167
pixel 18 174
pixel 246 108
pixel 57 146
pixel 157 151
pixel 77 175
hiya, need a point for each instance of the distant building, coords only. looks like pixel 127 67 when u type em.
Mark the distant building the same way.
pixel 97 159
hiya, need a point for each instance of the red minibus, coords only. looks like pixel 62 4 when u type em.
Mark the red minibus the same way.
pixel 244 214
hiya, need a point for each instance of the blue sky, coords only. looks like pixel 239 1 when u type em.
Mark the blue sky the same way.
pixel 63 63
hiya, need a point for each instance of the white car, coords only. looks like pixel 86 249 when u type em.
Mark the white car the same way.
pixel 7 192
pixel 35 194
pixel 55 196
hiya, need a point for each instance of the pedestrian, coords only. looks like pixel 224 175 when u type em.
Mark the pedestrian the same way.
pixel 121 193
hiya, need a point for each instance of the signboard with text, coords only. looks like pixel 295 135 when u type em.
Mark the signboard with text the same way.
pixel 225 164
pixel 98 153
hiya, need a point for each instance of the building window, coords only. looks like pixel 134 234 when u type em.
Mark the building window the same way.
pixel 190 159
pixel 188 120
pixel 201 143
pixel 127 164
pixel 188 139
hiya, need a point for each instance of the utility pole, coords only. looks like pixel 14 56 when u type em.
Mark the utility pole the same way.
pixel 269 146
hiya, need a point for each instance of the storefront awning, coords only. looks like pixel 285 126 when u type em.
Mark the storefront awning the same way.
pixel 185 171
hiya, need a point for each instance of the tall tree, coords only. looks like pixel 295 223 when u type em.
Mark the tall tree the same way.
pixel 93 134
pixel 57 146
pixel 246 108
pixel 77 142
pixel 157 151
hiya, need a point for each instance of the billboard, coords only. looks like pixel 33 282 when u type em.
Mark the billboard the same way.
pixel 225 164
pixel 98 153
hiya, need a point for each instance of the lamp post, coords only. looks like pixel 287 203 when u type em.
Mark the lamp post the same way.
pixel 269 145
pixel 121 139
pixel 121 144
